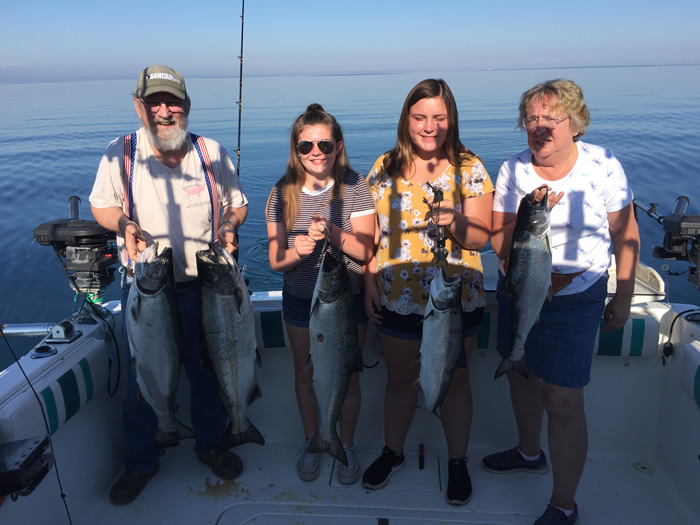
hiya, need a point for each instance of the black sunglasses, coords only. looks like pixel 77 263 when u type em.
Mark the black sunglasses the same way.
pixel 305 146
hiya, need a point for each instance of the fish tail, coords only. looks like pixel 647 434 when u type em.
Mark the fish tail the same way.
pixel 334 448
pixel 251 435
pixel 509 364
pixel 173 438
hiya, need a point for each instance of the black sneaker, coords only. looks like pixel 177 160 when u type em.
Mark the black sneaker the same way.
pixel 459 484
pixel 511 460
pixel 378 473
pixel 554 516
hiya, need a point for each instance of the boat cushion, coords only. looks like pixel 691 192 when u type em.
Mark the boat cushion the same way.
pixel 638 338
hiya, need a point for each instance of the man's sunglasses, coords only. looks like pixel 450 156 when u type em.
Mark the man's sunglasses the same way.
pixel 305 146
pixel 153 104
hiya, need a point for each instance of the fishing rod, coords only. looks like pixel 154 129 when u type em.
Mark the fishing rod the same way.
pixel 240 92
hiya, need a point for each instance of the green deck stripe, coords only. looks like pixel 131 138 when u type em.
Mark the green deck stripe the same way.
pixel 482 340
pixel 696 389
pixel 272 329
pixel 610 343
pixel 637 343
pixel 71 394
pixel 51 410
pixel 87 377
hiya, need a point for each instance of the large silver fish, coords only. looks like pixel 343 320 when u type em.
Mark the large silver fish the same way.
pixel 335 349
pixel 228 340
pixel 442 342
pixel 156 339
pixel 528 280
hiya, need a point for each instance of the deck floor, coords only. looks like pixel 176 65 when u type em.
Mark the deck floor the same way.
pixel 269 491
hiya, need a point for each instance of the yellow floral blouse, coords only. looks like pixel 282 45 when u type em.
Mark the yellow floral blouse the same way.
pixel 406 260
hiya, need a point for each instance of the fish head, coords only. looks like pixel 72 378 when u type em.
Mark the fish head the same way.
pixel 445 292
pixel 152 270
pixel 533 216
pixel 333 278
pixel 217 269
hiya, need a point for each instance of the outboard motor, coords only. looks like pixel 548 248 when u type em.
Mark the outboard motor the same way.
pixel 87 247
pixel 681 238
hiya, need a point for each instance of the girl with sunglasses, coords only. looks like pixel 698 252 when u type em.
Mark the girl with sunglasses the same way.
pixel 428 157
pixel 319 198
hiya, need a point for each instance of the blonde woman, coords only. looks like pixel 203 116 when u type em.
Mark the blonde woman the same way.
pixel 591 213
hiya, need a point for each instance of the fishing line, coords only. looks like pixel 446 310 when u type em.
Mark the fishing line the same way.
pixel 46 426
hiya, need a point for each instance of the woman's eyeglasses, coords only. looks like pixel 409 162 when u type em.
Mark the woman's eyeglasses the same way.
pixel 543 122
pixel 305 146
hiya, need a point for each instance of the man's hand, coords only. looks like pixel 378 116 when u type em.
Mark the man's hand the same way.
pixel 134 240
pixel 227 236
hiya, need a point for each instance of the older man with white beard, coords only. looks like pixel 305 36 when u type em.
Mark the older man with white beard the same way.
pixel 164 184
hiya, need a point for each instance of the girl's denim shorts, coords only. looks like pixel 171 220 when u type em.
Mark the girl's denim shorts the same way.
pixel 559 348
pixel 297 311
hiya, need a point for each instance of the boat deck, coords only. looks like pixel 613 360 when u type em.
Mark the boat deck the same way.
pixel 626 478
pixel 614 489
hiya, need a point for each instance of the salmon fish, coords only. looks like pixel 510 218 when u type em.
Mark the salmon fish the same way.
pixel 229 347
pixel 156 339
pixel 442 342
pixel 528 281
pixel 335 349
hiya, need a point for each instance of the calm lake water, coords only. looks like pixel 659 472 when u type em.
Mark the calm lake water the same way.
pixel 53 136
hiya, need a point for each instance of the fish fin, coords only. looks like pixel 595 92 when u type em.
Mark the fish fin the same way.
pixel 168 439
pixel 416 360
pixel 135 308
pixel 239 297
pixel 509 364
pixel 308 363
pixel 334 448
pixel 416 384
pixel 258 358
pixel 506 286
pixel 550 293
pixel 251 435
pixel 314 297
pixel 255 394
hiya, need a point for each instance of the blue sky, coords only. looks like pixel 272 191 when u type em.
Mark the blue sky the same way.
pixel 80 39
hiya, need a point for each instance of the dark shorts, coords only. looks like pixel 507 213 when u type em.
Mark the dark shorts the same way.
pixel 296 311
pixel 410 326
pixel 559 348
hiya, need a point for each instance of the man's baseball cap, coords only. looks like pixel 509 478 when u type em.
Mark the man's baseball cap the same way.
pixel 158 79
